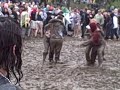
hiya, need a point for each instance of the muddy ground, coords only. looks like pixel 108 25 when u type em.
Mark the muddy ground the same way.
pixel 73 74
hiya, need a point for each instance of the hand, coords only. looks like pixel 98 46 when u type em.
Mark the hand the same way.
pixel 82 45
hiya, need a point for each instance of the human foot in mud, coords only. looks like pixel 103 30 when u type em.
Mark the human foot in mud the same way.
pixel 104 59
pixel 58 62
pixel 51 62
pixel 90 64
pixel 100 64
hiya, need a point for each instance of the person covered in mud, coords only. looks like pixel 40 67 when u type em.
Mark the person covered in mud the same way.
pixel 46 40
pixel 10 53
pixel 95 45
pixel 53 40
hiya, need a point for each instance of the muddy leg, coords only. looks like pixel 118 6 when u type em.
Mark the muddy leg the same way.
pixel 52 50
pixel 44 56
pixel 93 55
pixel 51 55
pixel 41 29
pixel 58 48
pixel 87 54
pixel 46 48
pixel 100 56
pixel 103 53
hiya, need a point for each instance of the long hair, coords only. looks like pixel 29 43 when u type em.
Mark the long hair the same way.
pixel 10 37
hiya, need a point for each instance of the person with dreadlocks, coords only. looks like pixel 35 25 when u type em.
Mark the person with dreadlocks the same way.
pixel 95 45
pixel 10 53
pixel 53 39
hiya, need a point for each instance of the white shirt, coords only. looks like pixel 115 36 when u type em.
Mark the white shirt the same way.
pixel 67 17
pixel 43 15
pixel 1 14
pixel 115 22
pixel 29 10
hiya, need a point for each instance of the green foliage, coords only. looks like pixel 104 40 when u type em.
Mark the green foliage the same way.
pixel 77 5
pixel 116 3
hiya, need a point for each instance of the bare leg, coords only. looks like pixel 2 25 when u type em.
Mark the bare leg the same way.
pixel 100 55
pixel 46 48
pixel 29 32
pixel 36 28
pixel 78 30
pixel 52 50
pixel 87 54
pixel 41 28
pixel 93 55
pixel 35 33
pixel 58 48
pixel 75 30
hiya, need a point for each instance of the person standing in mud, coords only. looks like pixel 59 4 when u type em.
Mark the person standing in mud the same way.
pixel 53 39
pixel 95 46
pixel 84 21
pixel 46 40
pixel 56 38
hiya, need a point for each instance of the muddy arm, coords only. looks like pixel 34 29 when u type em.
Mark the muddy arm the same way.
pixel 86 43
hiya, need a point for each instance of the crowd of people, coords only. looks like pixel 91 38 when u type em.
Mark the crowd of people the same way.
pixel 33 18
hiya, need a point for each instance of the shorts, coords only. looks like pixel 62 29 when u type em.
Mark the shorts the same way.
pixel 33 24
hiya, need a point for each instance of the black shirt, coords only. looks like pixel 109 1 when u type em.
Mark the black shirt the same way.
pixel 14 15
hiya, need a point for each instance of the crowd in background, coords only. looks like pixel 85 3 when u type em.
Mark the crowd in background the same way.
pixel 33 17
